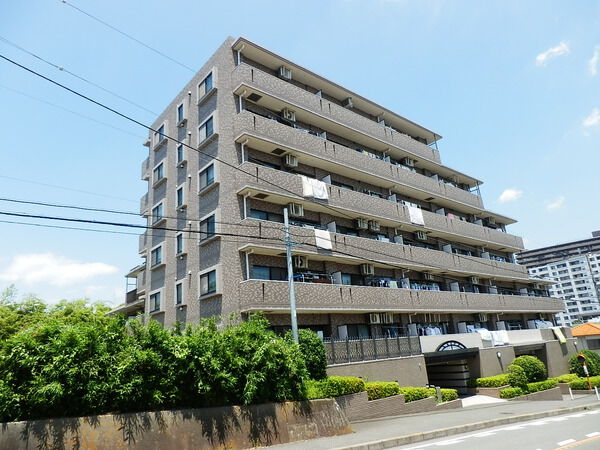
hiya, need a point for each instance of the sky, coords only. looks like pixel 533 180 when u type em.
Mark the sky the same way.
pixel 513 86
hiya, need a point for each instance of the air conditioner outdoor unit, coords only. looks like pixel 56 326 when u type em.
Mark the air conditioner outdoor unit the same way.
pixel 367 269
pixel 290 160
pixel 388 318
pixel 374 225
pixel 420 235
pixel 347 102
pixel 408 162
pixel 482 317
pixel 296 209
pixel 374 318
pixel 286 73
pixel 288 114
pixel 474 280
pixel 428 276
pixel 300 262
pixel 362 224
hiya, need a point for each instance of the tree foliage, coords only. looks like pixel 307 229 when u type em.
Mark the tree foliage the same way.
pixel 592 361
pixel 313 352
pixel 535 370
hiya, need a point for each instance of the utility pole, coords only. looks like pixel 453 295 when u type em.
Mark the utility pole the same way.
pixel 290 271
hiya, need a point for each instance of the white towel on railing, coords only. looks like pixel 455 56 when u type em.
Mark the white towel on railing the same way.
pixel 416 215
pixel 323 239
pixel 314 188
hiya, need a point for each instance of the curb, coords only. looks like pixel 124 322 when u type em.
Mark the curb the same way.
pixel 444 432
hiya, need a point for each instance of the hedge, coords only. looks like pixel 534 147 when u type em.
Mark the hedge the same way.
pixel 582 384
pixel 381 389
pixel 592 363
pixel 512 392
pixel 541 385
pixel 447 394
pixel 567 378
pixel 338 386
pixel 412 394
pixel 492 382
pixel 535 370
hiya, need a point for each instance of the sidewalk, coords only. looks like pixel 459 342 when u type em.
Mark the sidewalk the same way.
pixel 443 423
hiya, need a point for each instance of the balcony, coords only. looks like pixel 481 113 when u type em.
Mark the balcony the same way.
pixel 337 116
pixel 144 205
pixel 146 169
pixel 269 296
pixel 266 134
pixel 356 204
pixel 410 257
pixel 143 242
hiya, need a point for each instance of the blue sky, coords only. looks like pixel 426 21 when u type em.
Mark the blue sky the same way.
pixel 514 88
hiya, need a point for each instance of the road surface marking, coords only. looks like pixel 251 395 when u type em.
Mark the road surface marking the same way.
pixel 594 434
pixel 484 434
pixel 568 441
pixel 449 442
pixel 539 422
pixel 558 419
pixel 578 443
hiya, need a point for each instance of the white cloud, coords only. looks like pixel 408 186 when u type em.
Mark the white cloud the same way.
pixel 593 62
pixel 510 195
pixel 53 269
pixel 543 58
pixel 593 119
pixel 556 204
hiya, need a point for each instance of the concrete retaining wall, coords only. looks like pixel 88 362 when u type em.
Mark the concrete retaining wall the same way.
pixel 548 394
pixel 358 407
pixel 409 371
pixel 224 427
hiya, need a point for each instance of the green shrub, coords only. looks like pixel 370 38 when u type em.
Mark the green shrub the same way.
pixel 382 389
pixel 582 384
pixel 313 352
pixel 592 363
pixel 535 370
pixel 567 378
pixel 337 386
pixel 491 382
pixel 412 394
pixel 313 389
pixel 541 385
pixel 512 392
pixel 516 376
pixel 447 394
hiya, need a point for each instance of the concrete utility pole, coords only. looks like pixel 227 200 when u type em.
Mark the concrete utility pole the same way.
pixel 290 271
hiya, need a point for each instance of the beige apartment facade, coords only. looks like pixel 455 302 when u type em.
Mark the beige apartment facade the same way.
pixel 388 241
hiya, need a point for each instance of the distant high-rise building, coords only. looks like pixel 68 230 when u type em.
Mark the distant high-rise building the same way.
pixel 575 267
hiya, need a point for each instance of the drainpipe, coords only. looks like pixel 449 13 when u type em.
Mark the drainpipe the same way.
pixel 240 98
pixel 239 54
pixel 243 145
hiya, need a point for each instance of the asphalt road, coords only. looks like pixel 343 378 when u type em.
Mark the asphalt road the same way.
pixel 579 431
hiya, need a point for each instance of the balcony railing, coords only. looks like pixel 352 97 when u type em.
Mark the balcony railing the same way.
pixel 253 77
pixel 146 169
pixel 340 351
pixel 144 205
pixel 379 208
pixel 333 153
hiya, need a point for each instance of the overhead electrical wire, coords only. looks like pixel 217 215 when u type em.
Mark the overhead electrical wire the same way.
pixel 106 24
pixel 79 77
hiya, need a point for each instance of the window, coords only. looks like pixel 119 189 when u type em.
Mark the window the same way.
pixel 205 130
pixel 160 134
pixel 205 86
pixel 264 215
pixel 180 113
pixel 179 243
pixel 158 173
pixel 179 294
pixel 206 177
pixel 156 256
pixel 269 273
pixel 157 213
pixel 180 153
pixel 180 197
pixel 208 282
pixel 154 301
pixel 207 228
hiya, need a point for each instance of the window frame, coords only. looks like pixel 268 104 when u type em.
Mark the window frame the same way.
pixel 160 249
pixel 179 244
pixel 214 177
pixel 201 90
pixel 180 151
pixel 213 121
pixel 207 220
pixel 154 220
pixel 206 273
pixel 183 204
pixel 181 107
pixel 160 167
pixel 182 287
pixel 151 302
pixel 160 135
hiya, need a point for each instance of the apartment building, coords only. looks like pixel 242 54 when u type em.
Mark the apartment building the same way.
pixel 575 268
pixel 388 241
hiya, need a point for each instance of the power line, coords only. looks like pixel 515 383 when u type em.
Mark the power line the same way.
pixel 70 111
pixel 56 186
pixel 79 77
pixel 158 52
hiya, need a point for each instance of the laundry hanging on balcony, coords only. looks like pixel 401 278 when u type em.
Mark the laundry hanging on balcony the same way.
pixel 314 188
pixel 323 239
pixel 416 215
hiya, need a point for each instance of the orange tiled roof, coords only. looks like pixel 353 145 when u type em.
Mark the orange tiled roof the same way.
pixel 586 329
